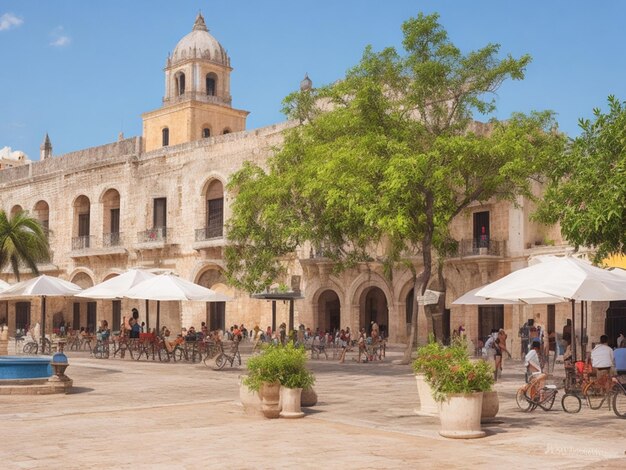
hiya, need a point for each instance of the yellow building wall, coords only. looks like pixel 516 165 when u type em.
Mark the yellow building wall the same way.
pixel 185 122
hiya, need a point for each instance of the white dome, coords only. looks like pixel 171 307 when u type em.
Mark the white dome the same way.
pixel 199 44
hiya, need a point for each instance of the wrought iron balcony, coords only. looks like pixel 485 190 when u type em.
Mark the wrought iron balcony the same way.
pixel 209 233
pixel 153 235
pixel 111 239
pixel 482 247
pixel 83 242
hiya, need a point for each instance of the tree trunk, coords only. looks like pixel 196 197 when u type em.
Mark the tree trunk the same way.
pixel 421 281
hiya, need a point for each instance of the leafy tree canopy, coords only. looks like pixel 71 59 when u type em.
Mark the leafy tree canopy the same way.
pixel 587 189
pixel 384 159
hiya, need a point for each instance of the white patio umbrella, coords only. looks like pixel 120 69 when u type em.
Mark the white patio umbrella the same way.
pixel 42 286
pixel 4 285
pixel 168 287
pixel 567 277
pixel 530 297
pixel 115 287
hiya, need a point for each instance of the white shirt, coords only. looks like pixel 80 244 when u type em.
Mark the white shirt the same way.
pixel 532 359
pixel 602 356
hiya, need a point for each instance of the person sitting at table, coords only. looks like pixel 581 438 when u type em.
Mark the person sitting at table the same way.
pixel 168 342
pixel 103 331
pixel 191 334
pixel 135 328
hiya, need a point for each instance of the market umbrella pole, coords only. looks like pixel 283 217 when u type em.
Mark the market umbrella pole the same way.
pixel 158 316
pixel 147 316
pixel 573 335
pixel 43 326
pixel 273 315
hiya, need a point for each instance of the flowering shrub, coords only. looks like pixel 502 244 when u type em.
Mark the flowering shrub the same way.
pixel 448 369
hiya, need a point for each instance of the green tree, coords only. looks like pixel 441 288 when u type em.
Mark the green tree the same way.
pixel 586 193
pixel 383 160
pixel 23 242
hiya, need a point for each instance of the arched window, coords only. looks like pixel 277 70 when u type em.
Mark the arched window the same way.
pixel 210 85
pixel 206 133
pixel 226 131
pixel 180 83
pixel 166 136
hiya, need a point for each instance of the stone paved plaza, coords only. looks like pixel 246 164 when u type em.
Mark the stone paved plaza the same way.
pixel 127 414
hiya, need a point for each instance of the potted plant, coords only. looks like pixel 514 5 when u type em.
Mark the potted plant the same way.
pixel 263 377
pixel 294 377
pixel 426 354
pixel 457 385
pixel 279 366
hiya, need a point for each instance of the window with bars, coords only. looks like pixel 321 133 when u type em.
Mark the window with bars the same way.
pixel 215 218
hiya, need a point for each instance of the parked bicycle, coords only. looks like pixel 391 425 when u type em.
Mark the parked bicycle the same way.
pixel 101 350
pixel 597 392
pixel 224 357
pixel 33 347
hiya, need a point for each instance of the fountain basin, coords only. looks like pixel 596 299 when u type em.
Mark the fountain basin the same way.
pixel 32 376
pixel 19 367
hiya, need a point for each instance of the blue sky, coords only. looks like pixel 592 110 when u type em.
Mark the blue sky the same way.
pixel 85 70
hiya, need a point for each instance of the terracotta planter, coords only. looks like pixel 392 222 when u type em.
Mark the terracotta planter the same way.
pixel 459 416
pixel 491 405
pixel 270 397
pixel 428 405
pixel 250 400
pixel 308 397
pixel 290 402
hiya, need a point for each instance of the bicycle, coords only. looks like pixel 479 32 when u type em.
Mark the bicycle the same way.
pixel 531 395
pixel 223 357
pixel 101 349
pixel 619 396
pixel 212 349
pixel 595 393
pixel 32 347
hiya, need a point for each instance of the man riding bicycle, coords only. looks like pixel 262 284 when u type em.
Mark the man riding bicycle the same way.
pixel 533 366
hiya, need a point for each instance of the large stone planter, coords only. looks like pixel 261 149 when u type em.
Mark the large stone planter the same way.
pixel 308 397
pixel 250 400
pixel 459 416
pixel 290 403
pixel 270 399
pixel 491 405
pixel 428 405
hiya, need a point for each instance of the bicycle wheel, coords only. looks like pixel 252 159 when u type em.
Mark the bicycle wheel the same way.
pixel 220 361
pixel 619 403
pixel 178 354
pixel 595 395
pixel 97 351
pixel 30 348
pixel 571 403
pixel 522 401
pixel 138 353
pixel 548 401
pixel 164 355
pixel 46 346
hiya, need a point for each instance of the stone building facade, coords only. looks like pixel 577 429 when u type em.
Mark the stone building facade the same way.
pixel 159 202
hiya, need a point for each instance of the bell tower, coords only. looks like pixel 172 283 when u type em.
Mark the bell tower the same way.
pixel 197 100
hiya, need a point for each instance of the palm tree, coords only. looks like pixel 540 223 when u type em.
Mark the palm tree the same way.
pixel 23 242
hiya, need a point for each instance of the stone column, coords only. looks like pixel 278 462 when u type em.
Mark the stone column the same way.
pixel 4 341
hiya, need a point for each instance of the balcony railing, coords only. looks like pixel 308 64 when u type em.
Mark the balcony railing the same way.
pixel 156 234
pixel 111 239
pixel 209 233
pixel 482 247
pixel 82 243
